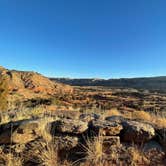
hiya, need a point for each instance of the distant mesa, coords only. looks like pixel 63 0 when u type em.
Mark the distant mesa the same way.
pixel 144 83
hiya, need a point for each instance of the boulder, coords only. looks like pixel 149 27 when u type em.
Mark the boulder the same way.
pixel 138 132
pixel 161 135
pixel 106 128
pixel 20 131
pixel 68 126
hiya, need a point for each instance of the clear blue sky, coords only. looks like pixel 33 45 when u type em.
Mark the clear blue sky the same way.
pixel 84 38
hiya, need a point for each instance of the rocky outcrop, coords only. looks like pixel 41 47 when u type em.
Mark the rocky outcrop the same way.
pixel 139 132
pixel 130 131
pixel 69 135
pixel 35 82
pixel 27 86
pixel 20 132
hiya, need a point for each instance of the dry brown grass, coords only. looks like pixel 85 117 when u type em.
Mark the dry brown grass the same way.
pixel 141 115
pixel 136 156
pixel 8 159
pixel 117 155
pixel 4 92
pixel 5 118
pixel 95 155
pixel 45 153
pixel 112 112
pixel 160 121
pixel 23 113
pixel 13 161
pixel 45 128
pixel 94 152
pixel 157 120
pixel 150 118
pixel 48 155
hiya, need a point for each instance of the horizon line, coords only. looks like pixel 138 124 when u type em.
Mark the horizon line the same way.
pixel 71 77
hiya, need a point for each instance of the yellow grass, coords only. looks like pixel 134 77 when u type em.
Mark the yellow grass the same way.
pixel 48 155
pixel 94 151
pixel 5 118
pixel 44 128
pixel 23 113
pixel 136 156
pixel 142 115
pixel 112 112
pixel 160 121
pixel 147 117
pixel 10 160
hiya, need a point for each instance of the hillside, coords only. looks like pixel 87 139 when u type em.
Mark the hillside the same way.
pixel 24 86
pixel 147 83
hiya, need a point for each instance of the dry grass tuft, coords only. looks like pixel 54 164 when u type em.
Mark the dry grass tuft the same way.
pixel 23 113
pixel 141 115
pixel 49 155
pixel 13 161
pixel 160 121
pixel 112 112
pixel 45 130
pixel 157 120
pixel 94 151
pixel 10 160
pixel 5 118
pixel 136 156
pixel 151 118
